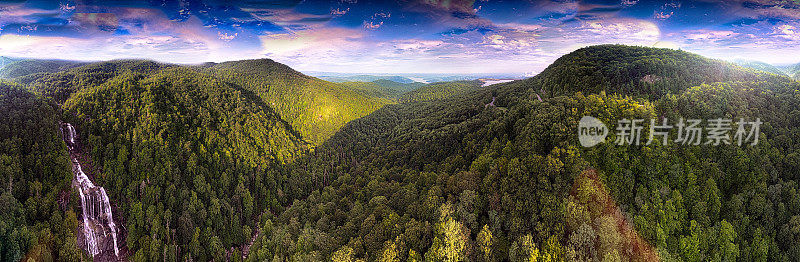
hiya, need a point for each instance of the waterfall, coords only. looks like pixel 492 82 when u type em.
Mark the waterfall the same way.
pixel 88 232
pixel 70 135
pixel 95 205
pixel 109 218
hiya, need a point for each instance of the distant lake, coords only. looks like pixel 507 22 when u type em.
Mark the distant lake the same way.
pixel 488 82
pixel 418 79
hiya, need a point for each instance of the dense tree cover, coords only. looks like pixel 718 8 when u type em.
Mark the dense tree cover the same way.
pixel 59 86
pixel 25 67
pixel 181 150
pixel 440 90
pixel 35 175
pixel 452 179
pixel 444 181
pixel 183 154
pixel 200 164
pixel 634 71
pixel 315 108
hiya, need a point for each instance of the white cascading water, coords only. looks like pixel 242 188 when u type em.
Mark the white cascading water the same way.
pixel 72 135
pixel 95 205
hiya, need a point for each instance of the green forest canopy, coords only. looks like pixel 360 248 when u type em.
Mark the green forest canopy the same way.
pixel 200 161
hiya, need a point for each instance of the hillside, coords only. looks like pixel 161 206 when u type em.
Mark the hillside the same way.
pixel 154 135
pixel 454 179
pixel 761 66
pixel 177 151
pixel 213 162
pixel 794 71
pixel 634 71
pixel 34 66
pixel 315 108
pixel 440 90
pixel 34 172
pixel 5 61
pixel 61 85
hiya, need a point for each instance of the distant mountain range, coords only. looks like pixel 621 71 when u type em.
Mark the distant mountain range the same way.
pixel 762 66
pixel 792 71
pixel 408 78
pixel 11 68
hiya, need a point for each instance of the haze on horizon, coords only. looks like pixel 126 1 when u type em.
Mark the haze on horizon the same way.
pixel 408 36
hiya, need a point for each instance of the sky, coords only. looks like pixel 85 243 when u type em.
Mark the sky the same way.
pixel 402 36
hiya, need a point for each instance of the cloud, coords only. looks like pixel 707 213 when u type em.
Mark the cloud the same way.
pixel 226 36
pixel 372 25
pixel 765 8
pixel 311 43
pixel 292 19
pixel 102 21
pixel 613 30
pixel 19 14
pixel 761 41
pixel 446 6
pixel 789 32
pixel 149 34
pixel 339 12
pixel 707 36
pixel 162 48
pixel 394 36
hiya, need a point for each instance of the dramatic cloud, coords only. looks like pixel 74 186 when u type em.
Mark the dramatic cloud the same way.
pixel 453 36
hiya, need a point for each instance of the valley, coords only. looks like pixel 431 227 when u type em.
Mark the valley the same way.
pixel 252 161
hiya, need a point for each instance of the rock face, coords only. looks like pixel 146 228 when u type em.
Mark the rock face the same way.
pixel 98 232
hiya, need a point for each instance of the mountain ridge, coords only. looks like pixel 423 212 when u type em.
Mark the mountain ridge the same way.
pixel 203 166
pixel 514 171
pixel 316 108
pixel 643 71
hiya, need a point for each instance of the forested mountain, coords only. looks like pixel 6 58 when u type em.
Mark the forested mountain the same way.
pixel 761 66
pixel 25 67
pixel 34 174
pixel 314 107
pixel 61 85
pixel 635 71
pixel 162 139
pixel 440 90
pixel 5 61
pixel 794 71
pixel 454 179
pixel 214 162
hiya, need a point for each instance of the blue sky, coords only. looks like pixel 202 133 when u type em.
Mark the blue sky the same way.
pixel 403 36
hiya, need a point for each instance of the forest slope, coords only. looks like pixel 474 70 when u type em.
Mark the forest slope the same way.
pixel 634 71
pixel 761 66
pixel 440 90
pixel 199 163
pixel 455 179
pixel 18 68
pixel 171 139
pixel 164 138
pixel 315 108
pixel 34 174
